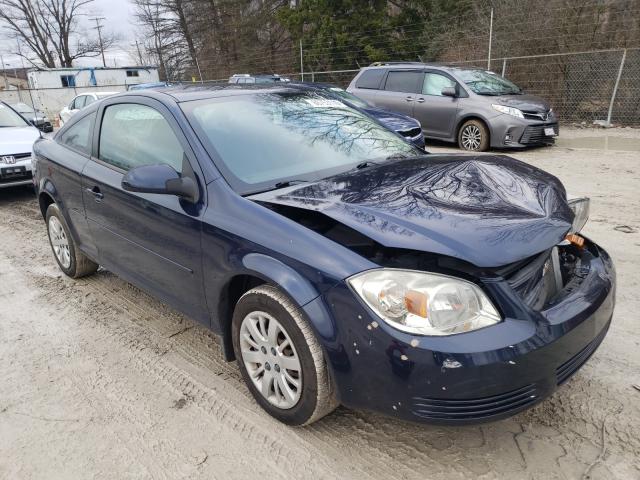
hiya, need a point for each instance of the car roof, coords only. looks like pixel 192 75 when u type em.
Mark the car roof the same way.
pixel 317 85
pixel 190 92
pixel 412 65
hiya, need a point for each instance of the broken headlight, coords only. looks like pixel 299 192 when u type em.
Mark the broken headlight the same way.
pixel 425 303
pixel 580 207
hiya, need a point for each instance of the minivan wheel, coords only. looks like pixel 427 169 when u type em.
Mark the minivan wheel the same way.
pixel 281 361
pixel 473 136
pixel 70 259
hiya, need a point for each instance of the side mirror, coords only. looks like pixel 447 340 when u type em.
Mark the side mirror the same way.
pixel 449 92
pixel 161 179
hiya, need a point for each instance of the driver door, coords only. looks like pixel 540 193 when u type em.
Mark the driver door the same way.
pixel 151 240
pixel 436 112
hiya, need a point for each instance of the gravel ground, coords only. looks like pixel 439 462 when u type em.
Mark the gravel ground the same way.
pixel 99 380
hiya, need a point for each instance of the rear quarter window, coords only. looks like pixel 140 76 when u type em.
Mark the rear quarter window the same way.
pixel 370 78
pixel 404 81
pixel 78 136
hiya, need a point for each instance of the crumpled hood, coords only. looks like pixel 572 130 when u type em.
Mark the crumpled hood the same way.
pixel 393 120
pixel 486 210
pixel 17 139
pixel 528 103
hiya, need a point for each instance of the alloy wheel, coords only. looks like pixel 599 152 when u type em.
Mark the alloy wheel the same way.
pixel 59 242
pixel 471 137
pixel 271 359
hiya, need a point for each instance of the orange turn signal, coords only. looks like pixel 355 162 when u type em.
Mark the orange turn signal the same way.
pixel 416 303
pixel 575 240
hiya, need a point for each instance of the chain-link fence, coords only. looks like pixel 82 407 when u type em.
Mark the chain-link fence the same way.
pixel 582 87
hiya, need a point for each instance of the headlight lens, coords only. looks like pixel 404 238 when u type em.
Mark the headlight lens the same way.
pixel 514 112
pixel 580 207
pixel 425 303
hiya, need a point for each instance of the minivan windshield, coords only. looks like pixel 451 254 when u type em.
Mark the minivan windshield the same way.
pixel 9 118
pixel 263 140
pixel 483 82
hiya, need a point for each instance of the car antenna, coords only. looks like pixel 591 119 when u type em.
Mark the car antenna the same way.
pixel 33 105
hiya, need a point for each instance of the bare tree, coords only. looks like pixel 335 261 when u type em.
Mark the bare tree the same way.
pixel 164 44
pixel 49 29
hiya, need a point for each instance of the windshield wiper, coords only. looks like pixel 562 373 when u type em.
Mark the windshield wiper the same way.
pixel 288 183
pixel 366 164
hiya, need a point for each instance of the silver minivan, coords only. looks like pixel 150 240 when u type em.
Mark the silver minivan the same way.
pixel 475 108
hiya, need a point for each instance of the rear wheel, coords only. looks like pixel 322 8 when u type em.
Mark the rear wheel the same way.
pixel 473 136
pixel 280 359
pixel 70 259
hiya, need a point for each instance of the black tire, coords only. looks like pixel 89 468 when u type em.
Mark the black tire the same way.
pixel 79 264
pixel 316 398
pixel 473 136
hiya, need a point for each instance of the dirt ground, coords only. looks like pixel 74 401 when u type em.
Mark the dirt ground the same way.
pixel 98 380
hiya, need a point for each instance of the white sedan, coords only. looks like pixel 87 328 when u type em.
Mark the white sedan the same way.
pixel 80 102
pixel 16 142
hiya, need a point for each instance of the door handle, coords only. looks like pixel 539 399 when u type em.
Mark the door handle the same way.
pixel 95 191
pixel 420 100
pixel 409 99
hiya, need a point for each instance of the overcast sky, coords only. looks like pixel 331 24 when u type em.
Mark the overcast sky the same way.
pixel 118 18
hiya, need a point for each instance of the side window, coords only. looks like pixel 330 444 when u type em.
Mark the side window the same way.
pixel 370 78
pixel 89 100
pixel 404 81
pixel 434 83
pixel 133 135
pixel 78 136
pixel 78 103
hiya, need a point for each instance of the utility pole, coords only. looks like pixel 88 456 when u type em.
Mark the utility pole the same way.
pixel 139 53
pixel 99 27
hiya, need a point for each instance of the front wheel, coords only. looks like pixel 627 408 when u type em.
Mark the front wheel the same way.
pixel 70 259
pixel 473 136
pixel 280 359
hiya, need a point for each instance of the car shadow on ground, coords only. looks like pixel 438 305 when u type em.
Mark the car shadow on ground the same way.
pixel 17 194
pixel 431 143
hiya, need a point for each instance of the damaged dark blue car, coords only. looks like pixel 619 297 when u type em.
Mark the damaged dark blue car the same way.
pixel 337 261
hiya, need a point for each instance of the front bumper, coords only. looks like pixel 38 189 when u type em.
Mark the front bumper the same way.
pixel 478 376
pixel 414 136
pixel 16 174
pixel 511 132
